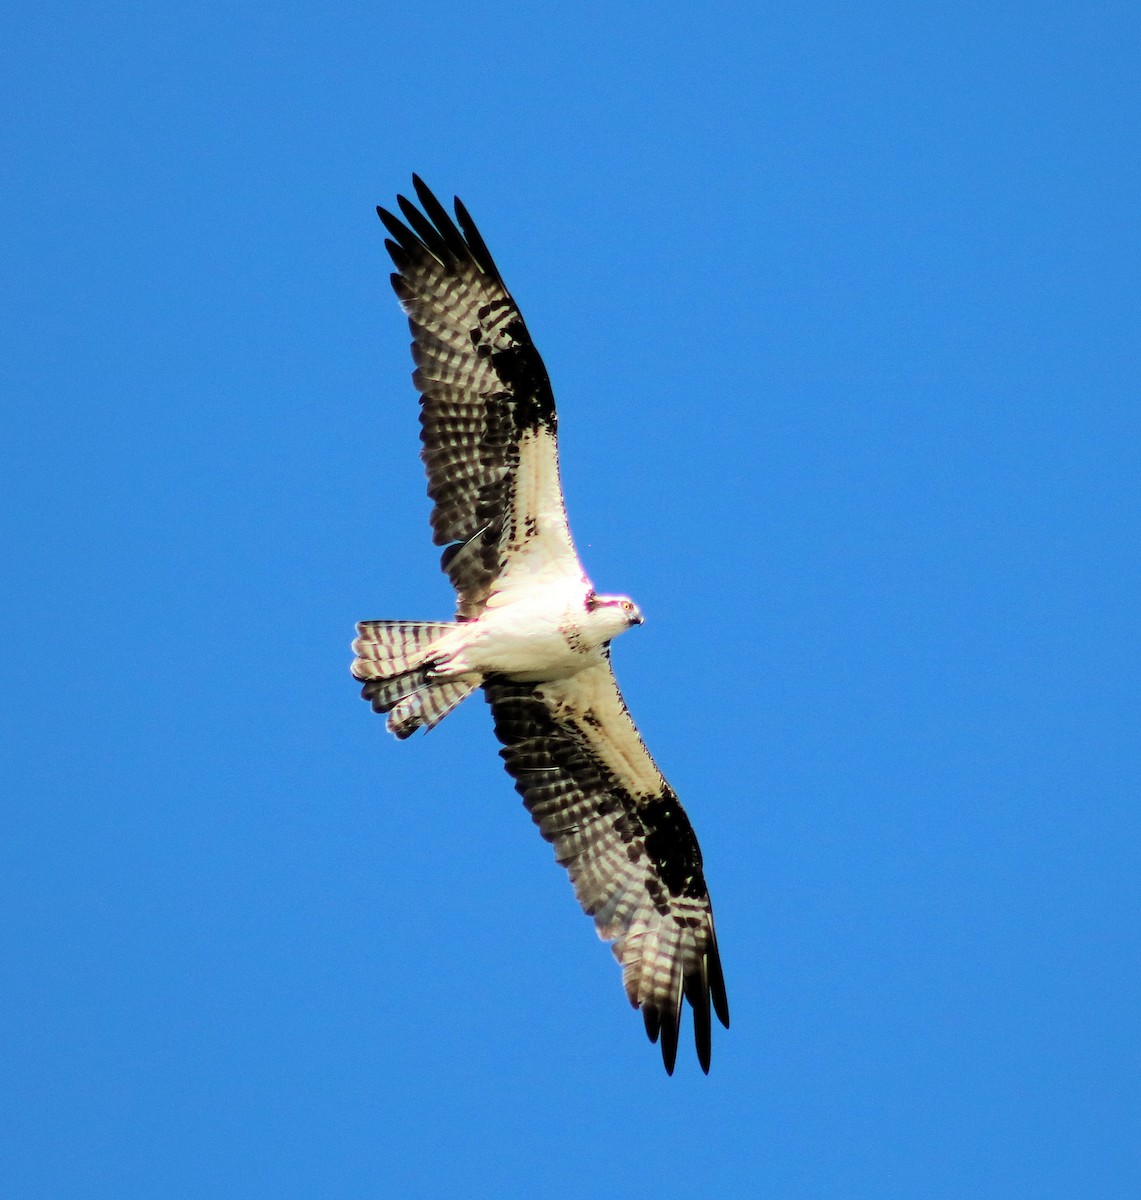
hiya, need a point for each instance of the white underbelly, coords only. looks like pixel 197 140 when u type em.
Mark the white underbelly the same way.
pixel 527 643
pixel 532 656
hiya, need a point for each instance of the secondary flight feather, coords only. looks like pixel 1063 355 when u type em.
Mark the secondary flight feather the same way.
pixel 531 630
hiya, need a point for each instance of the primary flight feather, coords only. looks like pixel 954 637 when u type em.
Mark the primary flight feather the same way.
pixel 530 629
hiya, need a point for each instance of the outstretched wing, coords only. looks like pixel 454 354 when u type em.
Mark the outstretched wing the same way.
pixel 594 791
pixel 488 414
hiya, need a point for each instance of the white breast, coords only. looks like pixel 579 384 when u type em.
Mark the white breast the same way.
pixel 541 635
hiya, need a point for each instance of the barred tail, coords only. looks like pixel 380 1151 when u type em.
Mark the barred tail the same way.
pixel 392 663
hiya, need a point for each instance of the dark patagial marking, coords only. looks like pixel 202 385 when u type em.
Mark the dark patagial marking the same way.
pixel 656 892
pixel 672 846
pixel 516 361
pixel 573 639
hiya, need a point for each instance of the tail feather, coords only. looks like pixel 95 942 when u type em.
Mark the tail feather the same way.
pixel 428 704
pixel 387 648
pixel 394 662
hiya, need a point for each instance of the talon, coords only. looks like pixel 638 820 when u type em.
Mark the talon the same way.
pixel 433 669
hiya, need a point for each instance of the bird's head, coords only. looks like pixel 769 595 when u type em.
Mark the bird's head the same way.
pixel 616 613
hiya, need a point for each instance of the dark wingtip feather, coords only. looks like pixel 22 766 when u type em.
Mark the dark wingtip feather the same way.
pixel 435 229
pixel 717 982
pixel 653 1023
pixel 397 228
pixel 438 215
pixel 697 993
pixel 670 1027
pixel 401 259
pixel 479 249
pixel 436 243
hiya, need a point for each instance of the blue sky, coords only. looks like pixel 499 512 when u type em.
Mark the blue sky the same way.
pixel 841 308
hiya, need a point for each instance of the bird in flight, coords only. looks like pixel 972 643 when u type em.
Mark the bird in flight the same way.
pixel 530 629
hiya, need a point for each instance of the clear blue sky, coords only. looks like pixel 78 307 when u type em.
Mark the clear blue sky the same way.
pixel 841 307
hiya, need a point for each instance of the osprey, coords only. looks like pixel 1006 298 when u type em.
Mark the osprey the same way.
pixel 530 629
